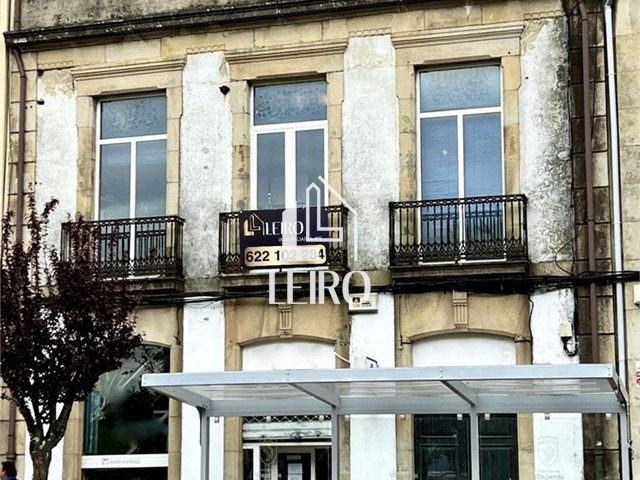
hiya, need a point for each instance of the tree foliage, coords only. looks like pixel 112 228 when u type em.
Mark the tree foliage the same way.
pixel 62 326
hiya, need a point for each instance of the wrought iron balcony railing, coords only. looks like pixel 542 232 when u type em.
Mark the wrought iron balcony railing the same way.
pixel 132 247
pixel 229 240
pixel 459 229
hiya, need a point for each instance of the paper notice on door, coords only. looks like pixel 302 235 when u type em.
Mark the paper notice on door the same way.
pixel 294 471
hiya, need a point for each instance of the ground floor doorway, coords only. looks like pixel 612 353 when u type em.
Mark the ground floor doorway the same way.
pixel 442 447
pixel 287 462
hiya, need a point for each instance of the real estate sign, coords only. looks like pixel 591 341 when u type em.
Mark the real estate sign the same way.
pixel 284 238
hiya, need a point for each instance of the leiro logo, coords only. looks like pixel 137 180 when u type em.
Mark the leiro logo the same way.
pixel 253 225
pixel 313 189
pixel 290 231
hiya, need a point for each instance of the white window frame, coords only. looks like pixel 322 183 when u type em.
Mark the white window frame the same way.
pixel 132 141
pixel 459 114
pixel 289 129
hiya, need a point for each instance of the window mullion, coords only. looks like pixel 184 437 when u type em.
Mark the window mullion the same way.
pixel 290 168
pixel 461 189
pixel 132 198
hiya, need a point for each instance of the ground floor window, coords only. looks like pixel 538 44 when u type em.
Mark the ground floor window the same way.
pixel 126 426
pixel 442 447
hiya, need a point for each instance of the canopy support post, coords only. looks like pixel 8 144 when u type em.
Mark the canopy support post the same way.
pixel 205 430
pixel 335 444
pixel 474 444
pixel 625 454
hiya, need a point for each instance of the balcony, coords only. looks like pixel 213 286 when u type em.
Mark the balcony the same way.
pixel 132 248
pixel 229 241
pixel 458 231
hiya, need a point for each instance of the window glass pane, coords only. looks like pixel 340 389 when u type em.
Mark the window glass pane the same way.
pixel 460 88
pixel 309 165
pixel 482 155
pixel 291 102
pixel 439 164
pixel 151 178
pixel 442 447
pixel 115 181
pixel 133 117
pixel 247 464
pixel 323 463
pixel 121 417
pixel 127 474
pixel 443 442
pixel 271 171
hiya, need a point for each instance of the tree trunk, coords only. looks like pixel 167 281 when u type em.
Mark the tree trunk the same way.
pixel 41 460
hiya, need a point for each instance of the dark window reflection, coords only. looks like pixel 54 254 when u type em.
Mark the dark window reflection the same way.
pixel 121 417
pixel 442 450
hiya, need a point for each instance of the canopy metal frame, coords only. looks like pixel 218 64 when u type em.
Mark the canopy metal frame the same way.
pixel 580 388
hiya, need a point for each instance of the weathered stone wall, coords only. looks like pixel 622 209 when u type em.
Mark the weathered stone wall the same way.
pixel 545 161
pixel 371 133
pixel 48 13
pixel 627 39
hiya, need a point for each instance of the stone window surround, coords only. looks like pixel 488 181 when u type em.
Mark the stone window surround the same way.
pixel 289 63
pixel 478 44
pixel 96 82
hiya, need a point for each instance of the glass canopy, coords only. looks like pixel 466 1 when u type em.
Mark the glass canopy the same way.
pixel 579 388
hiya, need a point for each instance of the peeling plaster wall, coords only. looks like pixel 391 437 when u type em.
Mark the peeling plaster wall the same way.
pixel 57 148
pixel 558 439
pixel 203 351
pixel 372 335
pixel 370 178
pixel 288 354
pixel 205 160
pixel 548 310
pixel 545 144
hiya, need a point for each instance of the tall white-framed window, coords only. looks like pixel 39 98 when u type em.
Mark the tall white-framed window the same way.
pixel 460 120
pixel 131 157
pixel 289 143
pixel 461 157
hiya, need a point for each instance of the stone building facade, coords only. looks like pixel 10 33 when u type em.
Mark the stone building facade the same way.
pixel 450 138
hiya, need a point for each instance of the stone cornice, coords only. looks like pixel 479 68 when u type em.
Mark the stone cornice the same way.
pixel 459 34
pixel 127 69
pixel 154 26
pixel 287 52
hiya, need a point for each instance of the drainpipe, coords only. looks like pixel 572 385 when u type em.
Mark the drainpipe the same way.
pixel 615 189
pixel 591 249
pixel 11 434
pixel 616 199
pixel 22 127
